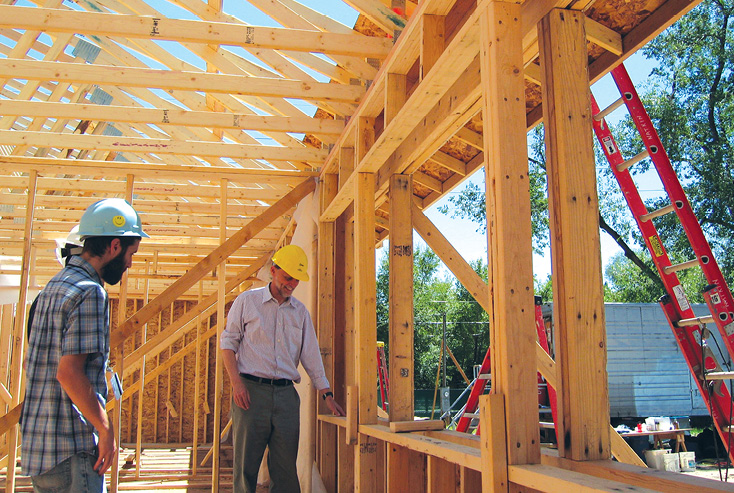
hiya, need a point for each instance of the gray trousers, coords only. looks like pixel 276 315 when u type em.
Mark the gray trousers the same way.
pixel 272 421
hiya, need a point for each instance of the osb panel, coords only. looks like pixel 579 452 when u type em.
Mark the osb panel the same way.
pixel 369 28
pixel 623 16
pixel 420 190
pixel 435 170
pixel 177 384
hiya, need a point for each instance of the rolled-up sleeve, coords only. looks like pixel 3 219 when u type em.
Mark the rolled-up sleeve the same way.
pixel 233 332
pixel 311 355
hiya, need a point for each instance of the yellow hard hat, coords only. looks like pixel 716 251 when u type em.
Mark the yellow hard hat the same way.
pixel 292 259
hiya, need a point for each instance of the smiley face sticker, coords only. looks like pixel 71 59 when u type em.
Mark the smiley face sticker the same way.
pixel 118 221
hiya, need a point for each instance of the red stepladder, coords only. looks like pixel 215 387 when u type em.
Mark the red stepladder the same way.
pixel 543 342
pixel 382 375
pixel 690 331
pixel 468 413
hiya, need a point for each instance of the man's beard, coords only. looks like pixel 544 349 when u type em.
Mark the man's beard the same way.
pixel 115 268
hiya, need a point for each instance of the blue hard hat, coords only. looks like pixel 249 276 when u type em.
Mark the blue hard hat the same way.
pixel 110 217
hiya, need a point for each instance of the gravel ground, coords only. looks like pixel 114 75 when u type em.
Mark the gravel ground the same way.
pixel 708 469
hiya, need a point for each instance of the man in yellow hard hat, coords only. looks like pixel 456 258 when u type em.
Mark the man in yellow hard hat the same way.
pixel 268 333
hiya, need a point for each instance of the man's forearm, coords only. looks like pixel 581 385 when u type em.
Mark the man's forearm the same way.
pixel 77 386
pixel 230 364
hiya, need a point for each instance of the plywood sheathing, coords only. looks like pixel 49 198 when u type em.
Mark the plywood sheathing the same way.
pixel 159 423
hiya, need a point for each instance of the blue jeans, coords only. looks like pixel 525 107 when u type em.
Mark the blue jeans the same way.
pixel 74 475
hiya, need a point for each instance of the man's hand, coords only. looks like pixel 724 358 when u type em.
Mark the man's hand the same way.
pixel 106 448
pixel 239 393
pixel 334 406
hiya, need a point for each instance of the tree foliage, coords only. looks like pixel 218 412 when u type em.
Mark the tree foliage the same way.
pixel 690 98
pixel 690 101
pixel 435 294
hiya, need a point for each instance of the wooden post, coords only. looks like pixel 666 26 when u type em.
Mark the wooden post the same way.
pixel 120 359
pixel 339 385
pixel 326 283
pixel 401 299
pixel 433 41
pixel 19 329
pixel 366 336
pixel 395 95
pixel 494 452
pixel 511 314
pixel 141 392
pixel 221 323
pixel 197 385
pixel 350 347
pixel 345 459
pixel 578 308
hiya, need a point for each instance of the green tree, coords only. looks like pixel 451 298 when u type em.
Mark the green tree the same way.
pixel 435 294
pixel 690 99
pixel 691 104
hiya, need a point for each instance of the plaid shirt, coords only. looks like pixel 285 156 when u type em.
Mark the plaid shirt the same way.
pixel 71 317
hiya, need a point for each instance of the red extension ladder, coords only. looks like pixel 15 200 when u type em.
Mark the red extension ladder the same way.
pixel 690 331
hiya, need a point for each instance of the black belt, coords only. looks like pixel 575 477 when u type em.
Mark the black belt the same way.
pixel 279 382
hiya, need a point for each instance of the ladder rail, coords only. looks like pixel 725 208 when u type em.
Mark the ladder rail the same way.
pixel 686 326
pixel 686 216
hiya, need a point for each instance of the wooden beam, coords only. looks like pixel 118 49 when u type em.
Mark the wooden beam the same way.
pixel 181 80
pixel 212 260
pixel 193 31
pixel 160 146
pixel 167 117
pixel 326 327
pixel 512 324
pixel 492 420
pixel 401 364
pixel 19 334
pixel 635 476
pixel 602 36
pixel 578 310
pixel 381 15
pixel 433 41
pixel 120 353
pixel 365 464
pixel 417 425
pixel 221 324
pixel 456 453
pixel 545 478
pixel 659 20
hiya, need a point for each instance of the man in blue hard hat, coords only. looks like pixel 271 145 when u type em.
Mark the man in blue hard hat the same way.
pixel 268 333
pixel 68 441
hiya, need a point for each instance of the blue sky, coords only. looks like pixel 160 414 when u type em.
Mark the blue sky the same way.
pixel 473 245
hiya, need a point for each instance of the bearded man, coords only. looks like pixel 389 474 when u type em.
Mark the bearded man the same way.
pixel 68 441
